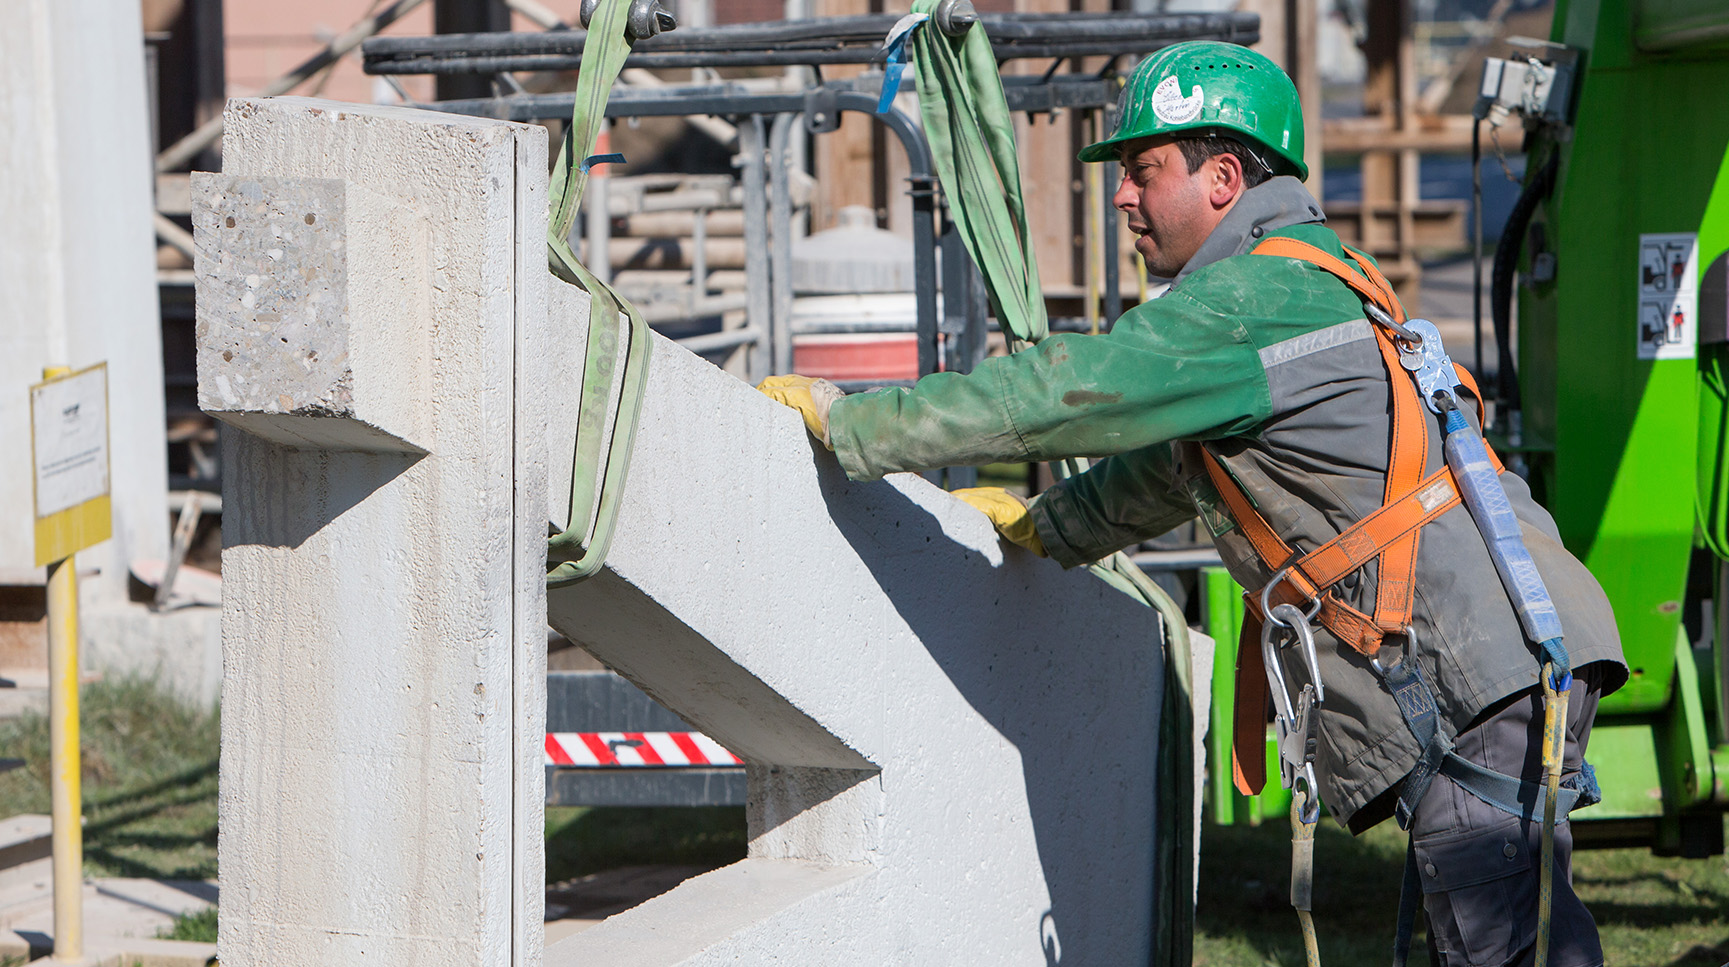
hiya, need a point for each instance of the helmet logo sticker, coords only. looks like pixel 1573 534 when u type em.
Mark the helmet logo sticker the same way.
pixel 1169 104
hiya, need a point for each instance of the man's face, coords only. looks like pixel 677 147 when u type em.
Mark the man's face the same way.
pixel 1170 210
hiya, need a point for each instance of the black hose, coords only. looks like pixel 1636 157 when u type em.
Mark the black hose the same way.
pixel 1477 247
pixel 1501 281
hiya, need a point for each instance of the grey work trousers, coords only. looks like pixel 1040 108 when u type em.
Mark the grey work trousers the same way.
pixel 1479 866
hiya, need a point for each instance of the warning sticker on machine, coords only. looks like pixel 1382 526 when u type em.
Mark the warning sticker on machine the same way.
pixel 1668 295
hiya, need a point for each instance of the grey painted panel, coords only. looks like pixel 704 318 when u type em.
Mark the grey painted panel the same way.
pixel 604 702
pixel 696 786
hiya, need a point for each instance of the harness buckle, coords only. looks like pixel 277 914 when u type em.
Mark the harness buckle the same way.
pixel 1382 663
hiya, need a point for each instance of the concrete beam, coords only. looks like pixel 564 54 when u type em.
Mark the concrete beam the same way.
pixel 371 284
pixel 951 746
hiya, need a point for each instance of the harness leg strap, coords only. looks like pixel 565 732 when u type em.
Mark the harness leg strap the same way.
pixel 1417 704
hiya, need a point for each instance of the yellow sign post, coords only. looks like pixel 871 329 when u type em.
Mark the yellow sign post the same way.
pixel 69 447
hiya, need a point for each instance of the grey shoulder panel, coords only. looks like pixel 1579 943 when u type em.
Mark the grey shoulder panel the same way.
pixel 1320 340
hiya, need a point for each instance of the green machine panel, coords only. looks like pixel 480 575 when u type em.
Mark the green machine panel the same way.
pixel 1610 345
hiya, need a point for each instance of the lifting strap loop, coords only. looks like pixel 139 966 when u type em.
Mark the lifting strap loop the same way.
pixel 972 139
pixel 601 460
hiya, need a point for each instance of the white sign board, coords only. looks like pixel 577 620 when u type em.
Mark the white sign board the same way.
pixel 69 419
pixel 1668 322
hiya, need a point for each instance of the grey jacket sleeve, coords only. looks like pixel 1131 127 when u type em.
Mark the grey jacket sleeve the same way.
pixel 1121 501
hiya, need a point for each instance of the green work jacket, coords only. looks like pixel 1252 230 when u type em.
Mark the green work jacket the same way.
pixel 1270 363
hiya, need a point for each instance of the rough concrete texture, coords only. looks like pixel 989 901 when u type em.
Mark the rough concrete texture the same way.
pixel 951 744
pixel 383 569
pixel 301 357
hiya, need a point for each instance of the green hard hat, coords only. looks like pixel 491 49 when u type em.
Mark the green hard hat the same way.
pixel 1206 86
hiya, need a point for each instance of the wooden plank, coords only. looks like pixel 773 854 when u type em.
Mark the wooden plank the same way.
pixel 1431 133
pixel 1049 178
pixel 843 163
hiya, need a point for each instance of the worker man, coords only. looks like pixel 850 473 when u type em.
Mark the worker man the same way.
pixel 1260 374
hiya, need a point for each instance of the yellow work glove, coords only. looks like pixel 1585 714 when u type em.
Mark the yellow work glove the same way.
pixel 1008 513
pixel 810 396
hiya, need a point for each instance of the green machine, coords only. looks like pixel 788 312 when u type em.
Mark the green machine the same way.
pixel 1620 401
pixel 1617 409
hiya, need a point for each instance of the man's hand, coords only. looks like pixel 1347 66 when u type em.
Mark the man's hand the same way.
pixel 811 397
pixel 1008 513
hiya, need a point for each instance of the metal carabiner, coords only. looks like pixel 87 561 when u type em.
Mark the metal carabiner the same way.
pixel 1287 615
pixel 1409 341
pixel 1298 738
pixel 1275 670
pixel 1296 724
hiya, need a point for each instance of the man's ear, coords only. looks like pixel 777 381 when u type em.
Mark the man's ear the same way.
pixel 1227 181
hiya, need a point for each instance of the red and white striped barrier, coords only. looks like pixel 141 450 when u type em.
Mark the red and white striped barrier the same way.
pixel 597 749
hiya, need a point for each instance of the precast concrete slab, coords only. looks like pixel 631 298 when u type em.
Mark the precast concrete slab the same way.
pixel 950 742
pixel 370 291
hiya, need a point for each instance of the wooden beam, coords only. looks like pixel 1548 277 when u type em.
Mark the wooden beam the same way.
pixel 1430 133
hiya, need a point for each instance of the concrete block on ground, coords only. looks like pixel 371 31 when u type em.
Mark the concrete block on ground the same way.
pixel 26 844
pixel 120 914
pixel 131 953
pixel 950 743
pixel 180 650
pixel 383 569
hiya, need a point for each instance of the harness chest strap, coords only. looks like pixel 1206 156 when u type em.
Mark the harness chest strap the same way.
pixel 1390 534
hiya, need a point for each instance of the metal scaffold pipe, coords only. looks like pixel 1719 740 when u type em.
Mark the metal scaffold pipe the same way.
pixel 822 40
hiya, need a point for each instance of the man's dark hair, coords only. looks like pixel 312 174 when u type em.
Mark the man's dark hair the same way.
pixel 1198 150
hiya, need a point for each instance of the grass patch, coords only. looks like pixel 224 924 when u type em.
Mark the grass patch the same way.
pixel 582 840
pixel 1659 912
pixel 199 926
pixel 149 778
pixel 1244 916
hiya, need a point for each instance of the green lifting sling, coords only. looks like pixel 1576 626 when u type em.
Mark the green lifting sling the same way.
pixel 601 460
pixel 971 134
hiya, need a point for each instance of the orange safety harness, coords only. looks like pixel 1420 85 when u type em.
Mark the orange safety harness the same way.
pixel 1390 534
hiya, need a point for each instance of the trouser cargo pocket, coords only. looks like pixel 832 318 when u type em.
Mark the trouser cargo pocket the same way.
pixel 1480 893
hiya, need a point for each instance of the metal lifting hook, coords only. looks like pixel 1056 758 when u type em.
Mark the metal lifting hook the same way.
pixel 646 17
pixel 955 17
pixel 1297 723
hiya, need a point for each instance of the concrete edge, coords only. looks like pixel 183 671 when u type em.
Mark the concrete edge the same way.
pixel 699 913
